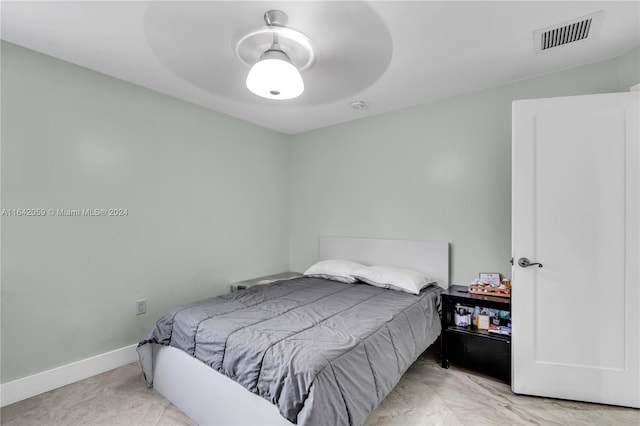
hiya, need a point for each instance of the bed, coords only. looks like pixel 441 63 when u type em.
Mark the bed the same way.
pixel 304 351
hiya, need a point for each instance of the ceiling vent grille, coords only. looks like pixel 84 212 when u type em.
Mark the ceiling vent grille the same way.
pixel 567 32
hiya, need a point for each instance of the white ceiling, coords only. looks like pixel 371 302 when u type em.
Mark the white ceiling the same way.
pixel 390 54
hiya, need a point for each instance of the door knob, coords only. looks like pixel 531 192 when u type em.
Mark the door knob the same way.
pixel 524 262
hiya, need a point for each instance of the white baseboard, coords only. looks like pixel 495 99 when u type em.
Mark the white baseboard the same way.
pixel 33 385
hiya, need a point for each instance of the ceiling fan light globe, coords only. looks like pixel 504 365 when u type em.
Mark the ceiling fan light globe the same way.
pixel 273 78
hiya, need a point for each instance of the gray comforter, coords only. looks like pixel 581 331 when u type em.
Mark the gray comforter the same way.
pixel 324 352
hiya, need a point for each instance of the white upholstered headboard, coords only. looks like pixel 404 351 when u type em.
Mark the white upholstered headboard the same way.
pixel 429 257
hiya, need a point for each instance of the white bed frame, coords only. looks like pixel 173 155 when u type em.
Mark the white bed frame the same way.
pixel 211 398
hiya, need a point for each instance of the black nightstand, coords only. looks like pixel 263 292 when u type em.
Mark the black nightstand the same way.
pixel 477 349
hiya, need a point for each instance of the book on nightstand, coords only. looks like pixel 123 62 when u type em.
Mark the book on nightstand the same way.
pixel 498 329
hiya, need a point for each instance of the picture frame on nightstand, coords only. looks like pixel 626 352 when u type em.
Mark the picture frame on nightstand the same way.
pixel 484 321
pixel 493 278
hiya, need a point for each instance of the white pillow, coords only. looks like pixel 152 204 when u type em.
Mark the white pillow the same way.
pixel 402 279
pixel 334 269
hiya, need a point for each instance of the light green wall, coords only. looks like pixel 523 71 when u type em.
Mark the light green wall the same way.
pixel 629 70
pixel 207 198
pixel 440 171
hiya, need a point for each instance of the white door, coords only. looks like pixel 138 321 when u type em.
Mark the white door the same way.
pixel 576 190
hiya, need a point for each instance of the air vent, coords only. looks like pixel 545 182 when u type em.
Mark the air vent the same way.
pixel 567 32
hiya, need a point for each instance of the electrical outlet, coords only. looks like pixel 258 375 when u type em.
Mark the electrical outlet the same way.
pixel 141 306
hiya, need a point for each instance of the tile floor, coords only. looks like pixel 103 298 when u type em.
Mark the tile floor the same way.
pixel 426 395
